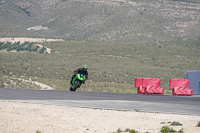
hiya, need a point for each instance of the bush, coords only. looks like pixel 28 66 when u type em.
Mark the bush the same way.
pixel 13 46
pixel 29 47
pixel 127 130
pixel 198 124
pixel 1 44
pixel 6 45
pixel 176 124
pixel 35 49
pixel 42 50
pixel 130 130
pixel 21 47
pixel 166 129
pixel 119 130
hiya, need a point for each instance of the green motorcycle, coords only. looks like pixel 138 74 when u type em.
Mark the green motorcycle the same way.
pixel 78 80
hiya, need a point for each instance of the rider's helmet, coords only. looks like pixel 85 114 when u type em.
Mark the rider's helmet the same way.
pixel 85 66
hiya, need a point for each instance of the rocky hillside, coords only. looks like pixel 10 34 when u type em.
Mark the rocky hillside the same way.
pixel 117 20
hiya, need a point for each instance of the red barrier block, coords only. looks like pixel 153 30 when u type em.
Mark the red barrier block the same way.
pixel 199 85
pixel 138 85
pixel 180 87
pixel 182 91
pixel 138 82
pixel 152 86
pixel 148 85
pixel 154 90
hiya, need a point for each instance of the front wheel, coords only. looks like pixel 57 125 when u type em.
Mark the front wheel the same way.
pixel 75 86
pixel 71 89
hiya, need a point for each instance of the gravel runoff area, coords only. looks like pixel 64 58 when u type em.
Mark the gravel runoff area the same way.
pixel 18 117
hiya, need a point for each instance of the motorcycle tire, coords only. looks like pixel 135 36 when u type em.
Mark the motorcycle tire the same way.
pixel 71 89
pixel 76 85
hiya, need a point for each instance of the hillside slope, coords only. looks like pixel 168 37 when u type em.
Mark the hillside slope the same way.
pixel 118 20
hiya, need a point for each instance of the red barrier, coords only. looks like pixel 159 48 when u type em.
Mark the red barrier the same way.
pixel 138 84
pixel 180 87
pixel 152 86
pixel 148 86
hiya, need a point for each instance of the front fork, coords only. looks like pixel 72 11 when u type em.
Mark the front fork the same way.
pixel 73 82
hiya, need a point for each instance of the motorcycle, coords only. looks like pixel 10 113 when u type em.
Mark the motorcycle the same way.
pixel 77 81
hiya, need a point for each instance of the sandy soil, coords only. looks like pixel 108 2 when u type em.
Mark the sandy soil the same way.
pixel 17 117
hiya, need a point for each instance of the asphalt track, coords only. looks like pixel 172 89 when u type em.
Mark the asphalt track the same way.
pixel 184 105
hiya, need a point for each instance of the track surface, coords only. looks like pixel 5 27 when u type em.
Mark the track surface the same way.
pixel 189 105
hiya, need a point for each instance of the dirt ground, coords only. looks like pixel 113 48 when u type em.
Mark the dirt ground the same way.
pixel 17 117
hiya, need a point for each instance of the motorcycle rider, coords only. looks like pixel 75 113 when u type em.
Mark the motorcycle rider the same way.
pixel 80 70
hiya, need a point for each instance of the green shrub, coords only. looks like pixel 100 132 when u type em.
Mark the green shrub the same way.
pixel 198 124
pixel 42 50
pixel 13 46
pixel 119 130
pixel 35 49
pixel 127 130
pixel 1 45
pixel 132 131
pixel 6 45
pixel 166 129
pixel 29 47
pixel 22 46
pixel 176 124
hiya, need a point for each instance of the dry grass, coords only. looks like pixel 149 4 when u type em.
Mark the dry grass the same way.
pixel 112 66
